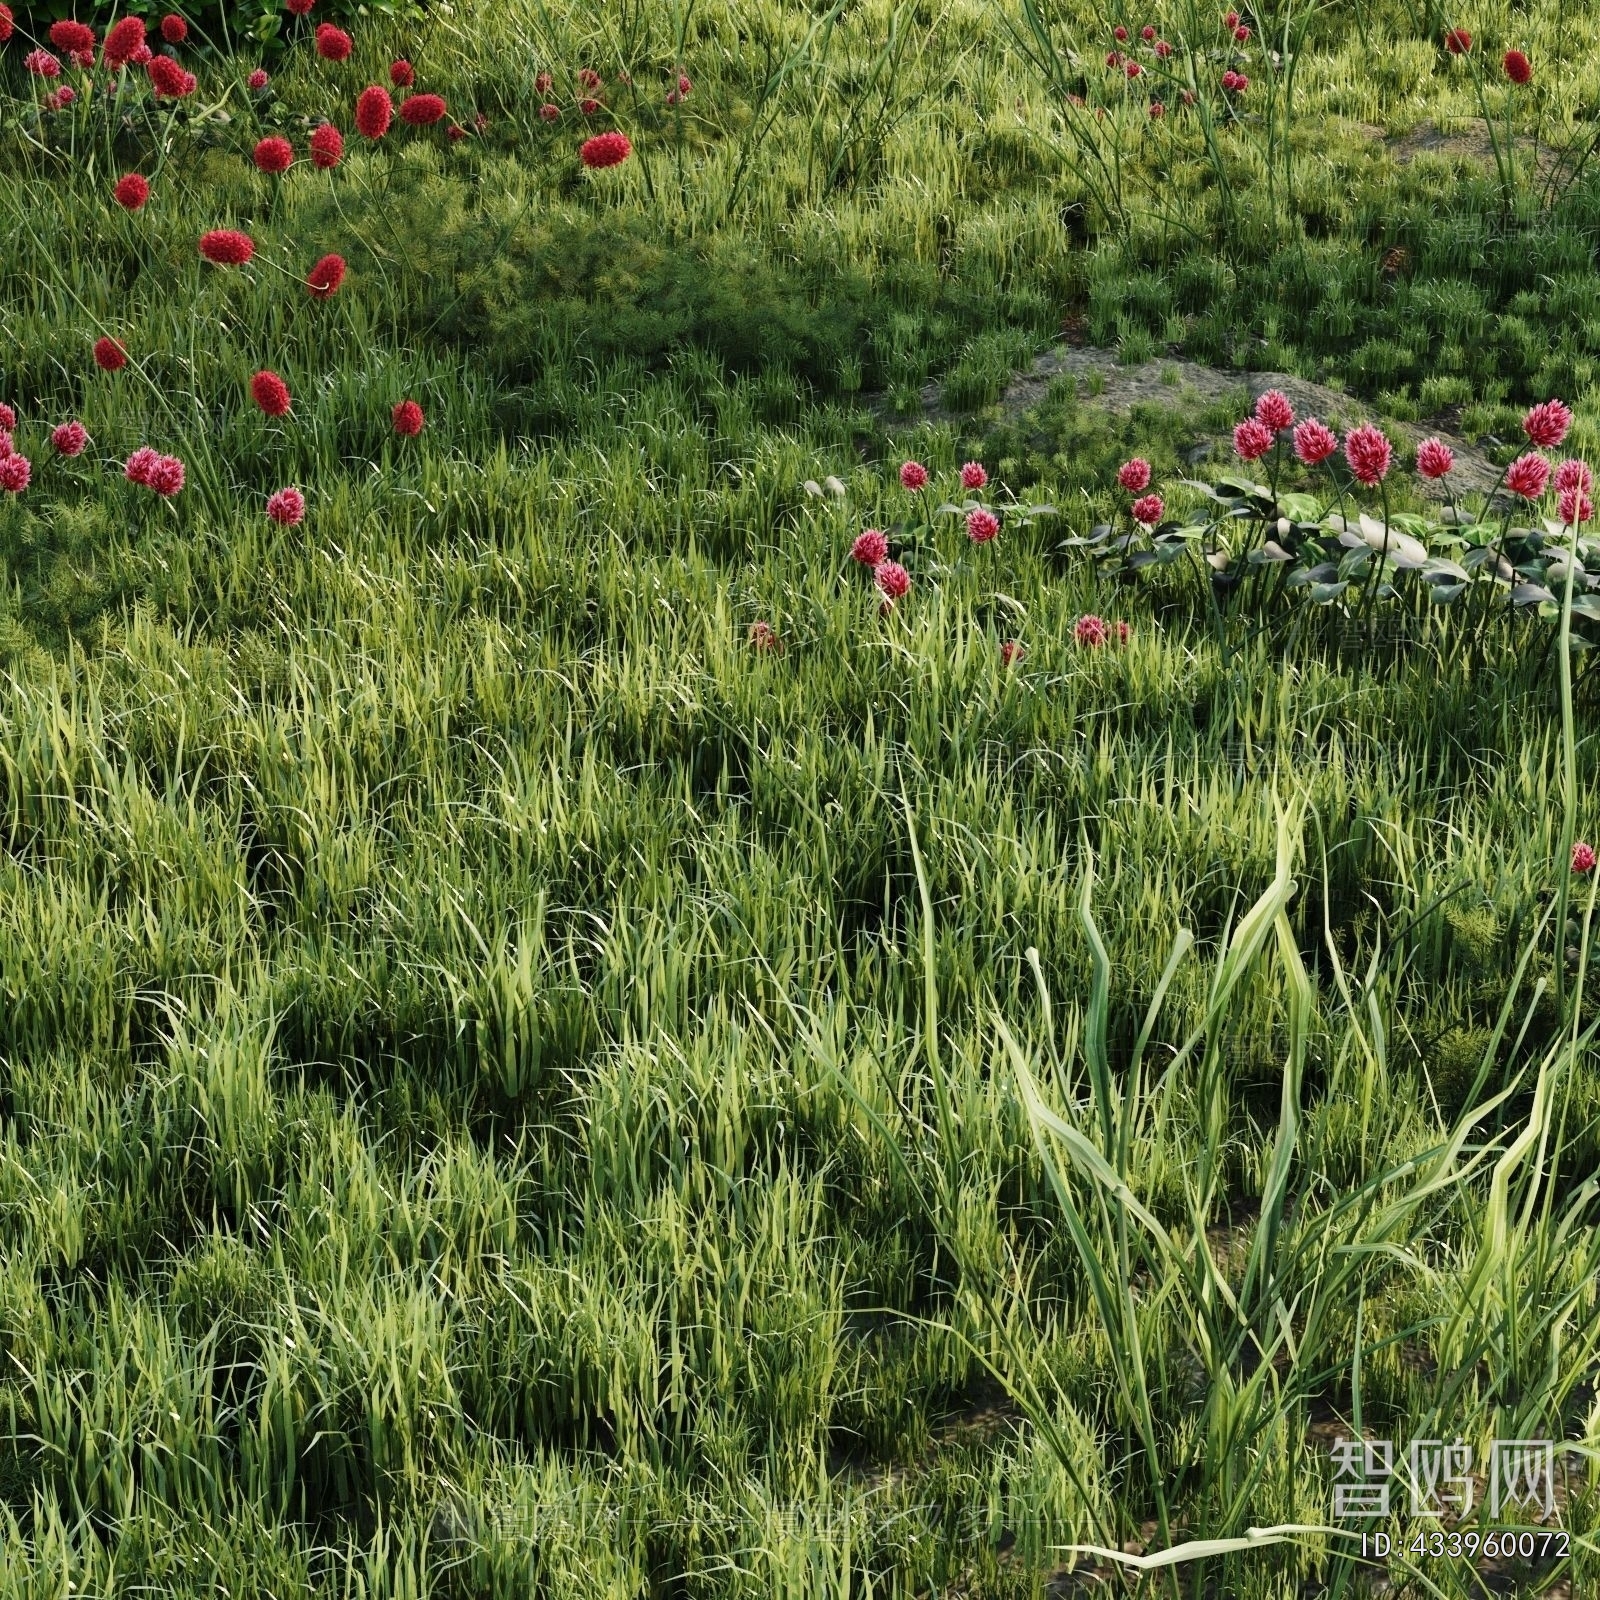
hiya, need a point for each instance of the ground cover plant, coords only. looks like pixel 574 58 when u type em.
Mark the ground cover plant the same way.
pixel 627 968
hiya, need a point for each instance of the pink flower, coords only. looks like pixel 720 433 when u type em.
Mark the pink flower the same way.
pixel 764 637
pixel 1147 33
pixel 1369 453
pixel 1163 49
pixel 1124 633
pixel 982 526
pixel 8 417
pixel 7 444
pixel 973 476
pixel 1157 110
pixel 913 475
pixel 1091 631
pixel 1314 442
pixel 1546 424
pixel 1274 411
pixel 1134 476
pixel 892 579
pixel 1434 458
pixel 549 113
pixel 166 475
pixel 1011 652
pixel 287 506
pixel 15 473
pixel 1583 857
pixel 1252 439
pixel 1133 69
pixel 1576 507
pixel 42 64
pixel 1241 33
pixel 69 439
pixel 140 464
pixel 871 548
pixel 1120 34
pixel 1573 474
pixel 1148 510
pixel 258 80
pixel 1528 475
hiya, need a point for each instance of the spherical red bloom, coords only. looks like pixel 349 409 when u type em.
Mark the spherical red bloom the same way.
pixel 892 579
pixel 270 392
pixel 1573 474
pixel 333 44
pixel 422 110
pixel 1134 476
pixel 1528 475
pixel 1273 410
pixel 287 506
pixel 73 37
pixel 1368 452
pixel 1147 32
pixel 871 548
pixel 325 277
pixel 109 356
pixel 913 476
pixel 1575 507
pixel 8 445
pixel 589 107
pixel 605 150
pixel 327 146
pixel 1313 442
pixel 166 475
pixel 1252 439
pixel 549 113
pixel 1231 20
pixel 973 476
pixel 1434 458
pixel 1011 652
pixel 1114 58
pixel 131 191
pixel 141 464
pixel 408 419
pixel 258 80
pixel 1458 41
pixel 542 83
pixel 298 8
pixel 169 79
pixel 1546 425
pixel 173 28
pixel 141 56
pixel 1241 33
pixel 15 474
pixel 1091 630
pixel 456 132
pixel 1148 510
pixel 1583 857
pixel 982 526
pixel 61 99
pixel 227 247
pixel 1163 49
pixel 274 155
pixel 479 121
pixel 1133 69
pixel 684 86
pixel 374 112
pixel 8 418
pixel 69 439
pixel 8 23
pixel 762 636
pixel 1187 96
pixel 125 37
pixel 402 74
pixel 1120 34
pixel 1157 110
pixel 1518 68
pixel 1124 632
pixel 589 78
pixel 42 64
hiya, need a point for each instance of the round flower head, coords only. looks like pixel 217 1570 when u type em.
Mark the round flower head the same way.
pixel 109 355
pixel 8 445
pixel 73 37
pixel 1434 458
pixel 227 247
pixel 1011 652
pixel 174 29
pixel 1583 857
pixel 1458 41
pixel 982 526
pixel 973 476
pixel 8 417
pixel 141 464
pixel 543 82
pixel 589 106
pixel 287 506
pixel 15 473
pixel 456 132
pixel 131 191
pixel 325 277
pixel 871 548
pixel 1113 58
pixel 69 439
pixel 1132 69
pixel 42 64
pixel 1147 33
pixel 589 78
pixel 913 476
pixel 166 476
pixel 327 146
pixel 605 150
pixel 1546 424
pixel 273 155
pixel 1314 442
pixel 1573 474
pixel 1252 439
pixel 1120 34
pixel 8 23
pixel 402 74
pixel 762 636
pixel 169 79
pixel 1134 475
pixel 1528 475
pixel 892 579
pixel 1124 632
pixel 684 86
pixel 333 44
pixel 1518 68
pixel 1575 507
pixel 1091 630
pixel 548 112
pixel 61 99
pixel 271 393
pixel 1157 110
pixel 1148 510
pixel 374 112
pixel 298 8
pixel 1368 453
pixel 422 110
pixel 1241 33
pixel 1231 21
pixel 408 419
pixel 1274 411
pixel 1163 49
pixel 124 39
pixel 258 80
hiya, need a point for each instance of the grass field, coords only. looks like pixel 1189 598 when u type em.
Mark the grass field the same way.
pixel 508 1086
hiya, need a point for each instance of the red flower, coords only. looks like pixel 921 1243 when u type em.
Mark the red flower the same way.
pixel 124 39
pixel 166 476
pixel 374 112
pixel 287 506
pixel 1274 411
pixel 109 355
pixel 871 548
pixel 892 579
pixel 169 78
pixel 8 420
pixel 1147 33
pixel 913 476
pixel 589 107
pixel 226 247
pixel 8 23
pixel 1252 439
pixel 1368 453
pixel 174 29
pixel 15 474
pixel 542 83
pixel 69 439
pixel 456 132
pixel 1011 652
pixel 1458 41
pixel 1124 632
pixel 61 99
pixel 982 526
pixel 274 155
pixel 333 44
pixel 325 277
pixel 1528 475
pixel 1546 424
pixel 1113 58
pixel 589 78
pixel 131 191
pixel 270 392
pixel 258 80
pixel 1231 20
pixel 1573 474
pixel 1120 34
pixel 1133 69
pixel 1518 68
pixel 7 444
pixel 1313 442
pixel 1434 458
pixel 402 74
pixel 1575 507
pixel 298 8
pixel 973 476
pixel 1241 33
pixel 684 86
pixel 1157 110
pixel 605 150
pixel 422 110
pixel 72 37
pixel 1583 857
pixel 407 419
pixel 549 113
pixel 140 465
pixel 1091 630
pixel 327 146
pixel 1148 510
pixel 42 64
pixel 1134 476
pixel 1163 49
pixel 762 636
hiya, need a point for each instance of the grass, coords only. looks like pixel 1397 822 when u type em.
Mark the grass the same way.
pixel 506 1088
